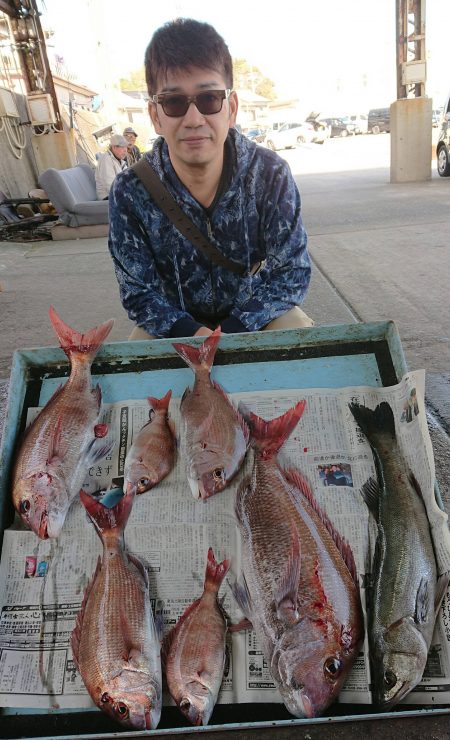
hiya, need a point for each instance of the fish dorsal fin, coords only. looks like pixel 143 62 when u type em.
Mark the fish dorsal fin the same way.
pixel 371 493
pixel 239 416
pixel 139 566
pixel 78 629
pixel 301 484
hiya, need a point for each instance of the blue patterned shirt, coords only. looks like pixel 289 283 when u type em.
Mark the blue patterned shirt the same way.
pixel 170 289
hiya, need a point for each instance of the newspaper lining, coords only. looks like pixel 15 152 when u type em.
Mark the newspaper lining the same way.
pixel 42 582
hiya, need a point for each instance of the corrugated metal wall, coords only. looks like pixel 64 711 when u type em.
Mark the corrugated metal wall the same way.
pixel 17 176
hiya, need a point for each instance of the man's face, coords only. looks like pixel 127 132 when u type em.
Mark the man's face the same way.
pixel 194 140
pixel 119 151
pixel 131 138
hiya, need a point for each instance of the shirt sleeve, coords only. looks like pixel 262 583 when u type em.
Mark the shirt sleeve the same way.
pixel 141 288
pixel 283 280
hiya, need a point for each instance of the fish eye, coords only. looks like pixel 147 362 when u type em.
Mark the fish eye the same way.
pixel 218 474
pixel 25 506
pixel 390 679
pixel 122 709
pixel 104 697
pixel 142 484
pixel 332 668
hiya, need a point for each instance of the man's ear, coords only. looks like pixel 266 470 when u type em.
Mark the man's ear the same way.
pixel 153 113
pixel 233 103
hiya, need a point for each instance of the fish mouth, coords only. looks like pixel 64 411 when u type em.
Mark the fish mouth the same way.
pixel 196 488
pixel 43 527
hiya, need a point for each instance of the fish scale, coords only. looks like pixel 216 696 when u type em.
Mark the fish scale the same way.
pixel 299 593
pixel 115 643
pixel 406 591
pixel 56 450
pixel 196 649
pixel 214 436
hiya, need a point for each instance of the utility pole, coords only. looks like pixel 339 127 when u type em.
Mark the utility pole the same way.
pixel 411 52
pixel 32 51
pixel 411 112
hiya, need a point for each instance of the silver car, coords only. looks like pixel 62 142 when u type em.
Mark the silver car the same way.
pixel 290 135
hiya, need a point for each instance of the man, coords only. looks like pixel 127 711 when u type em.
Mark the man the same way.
pixel 109 165
pixel 133 151
pixel 241 196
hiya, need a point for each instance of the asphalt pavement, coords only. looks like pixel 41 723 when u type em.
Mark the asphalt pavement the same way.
pixel 380 251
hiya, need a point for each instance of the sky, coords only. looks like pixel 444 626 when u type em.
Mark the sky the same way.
pixel 327 53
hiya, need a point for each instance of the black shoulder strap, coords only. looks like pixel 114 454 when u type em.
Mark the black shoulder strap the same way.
pixel 183 223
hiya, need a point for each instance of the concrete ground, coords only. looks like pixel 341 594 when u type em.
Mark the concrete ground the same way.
pixel 380 251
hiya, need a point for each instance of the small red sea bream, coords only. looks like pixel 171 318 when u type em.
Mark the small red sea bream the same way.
pixel 214 436
pixel 195 649
pixel 115 642
pixel 152 455
pixel 300 585
pixel 64 440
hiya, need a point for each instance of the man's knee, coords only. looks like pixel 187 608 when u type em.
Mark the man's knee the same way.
pixel 139 333
pixel 295 318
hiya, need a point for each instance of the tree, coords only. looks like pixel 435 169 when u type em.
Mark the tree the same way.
pixel 249 77
pixel 135 81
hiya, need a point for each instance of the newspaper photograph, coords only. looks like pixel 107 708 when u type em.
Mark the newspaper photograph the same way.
pixel 42 582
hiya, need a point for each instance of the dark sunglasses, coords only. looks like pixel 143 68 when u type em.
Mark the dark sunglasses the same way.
pixel 176 105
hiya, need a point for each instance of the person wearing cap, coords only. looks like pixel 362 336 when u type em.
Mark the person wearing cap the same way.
pixel 110 164
pixel 133 151
pixel 241 196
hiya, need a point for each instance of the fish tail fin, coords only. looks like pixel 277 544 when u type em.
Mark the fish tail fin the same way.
pixel 376 422
pixel 215 572
pixel 108 520
pixel 76 343
pixel 269 436
pixel 160 403
pixel 203 357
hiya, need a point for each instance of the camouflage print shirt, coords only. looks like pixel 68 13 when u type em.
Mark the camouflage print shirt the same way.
pixel 170 289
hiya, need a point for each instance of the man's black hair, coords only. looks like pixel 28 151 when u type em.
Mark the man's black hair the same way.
pixel 186 43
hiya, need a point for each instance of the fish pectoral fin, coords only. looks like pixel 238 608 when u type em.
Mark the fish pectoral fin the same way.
pixel 242 595
pixel 371 492
pixel 95 451
pixel 423 606
pixel 57 449
pixel 244 624
pixel 286 596
pixel 441 588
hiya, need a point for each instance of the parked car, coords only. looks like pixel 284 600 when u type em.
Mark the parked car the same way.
pixel 436 117
pixel 339 126
pixel 361 123
pixel 289 135
pixel 379 120
pixel 321 130
pixel 256 134
pixel 443 144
